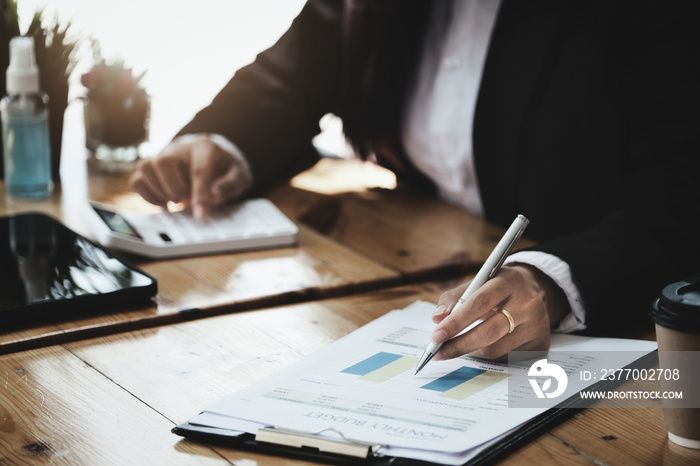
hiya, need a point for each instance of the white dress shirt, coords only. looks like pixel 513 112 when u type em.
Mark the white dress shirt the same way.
pixel 437 134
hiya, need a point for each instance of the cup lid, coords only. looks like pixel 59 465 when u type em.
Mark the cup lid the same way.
pixel 678 308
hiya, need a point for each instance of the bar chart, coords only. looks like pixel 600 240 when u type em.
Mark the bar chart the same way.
pixel 464 382
pixel 382 367
pixel 458 384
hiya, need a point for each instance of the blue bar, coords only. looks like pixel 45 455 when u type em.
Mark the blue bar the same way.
pixel 453 379
pixel 372 363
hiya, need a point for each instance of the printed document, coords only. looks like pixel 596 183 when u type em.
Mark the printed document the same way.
pixel 362 388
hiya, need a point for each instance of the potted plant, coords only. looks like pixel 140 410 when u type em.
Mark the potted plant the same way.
pixel 55 56
pixel 117 108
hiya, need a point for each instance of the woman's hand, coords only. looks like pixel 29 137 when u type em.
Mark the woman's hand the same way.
pixel 534 301
pixel 195 171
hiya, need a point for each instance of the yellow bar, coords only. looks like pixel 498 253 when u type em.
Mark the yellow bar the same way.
pixel 472 386
pixel 392 369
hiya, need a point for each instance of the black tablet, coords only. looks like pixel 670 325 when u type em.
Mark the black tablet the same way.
pixel 49 271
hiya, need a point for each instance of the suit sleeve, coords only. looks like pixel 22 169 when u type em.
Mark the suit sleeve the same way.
pixel 270 109
pixel 650 238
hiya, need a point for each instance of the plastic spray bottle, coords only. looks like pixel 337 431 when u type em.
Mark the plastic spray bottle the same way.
pixel 25 126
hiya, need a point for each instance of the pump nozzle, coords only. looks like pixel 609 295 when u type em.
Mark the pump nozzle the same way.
pixel 22 74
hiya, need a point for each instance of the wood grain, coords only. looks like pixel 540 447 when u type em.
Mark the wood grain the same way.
pixel 629 436
pixel 209 358
pixel 412 232
pixel 202 286
pixel 194 287
pixel 56 409
pixel 373 239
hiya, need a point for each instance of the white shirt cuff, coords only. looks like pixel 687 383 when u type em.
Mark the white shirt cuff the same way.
pixel 560 272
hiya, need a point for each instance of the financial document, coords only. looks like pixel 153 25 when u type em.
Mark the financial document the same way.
pixel 362 388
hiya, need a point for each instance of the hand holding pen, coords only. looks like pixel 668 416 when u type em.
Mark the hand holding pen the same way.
pixel 514 303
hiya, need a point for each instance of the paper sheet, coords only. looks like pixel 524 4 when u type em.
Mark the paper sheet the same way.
pixel 364 387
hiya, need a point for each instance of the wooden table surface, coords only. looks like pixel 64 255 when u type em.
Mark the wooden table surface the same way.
pixel 412 233
pixel 114 399
pixel 363 236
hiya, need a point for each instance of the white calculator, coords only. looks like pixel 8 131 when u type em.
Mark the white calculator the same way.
pixel 250 224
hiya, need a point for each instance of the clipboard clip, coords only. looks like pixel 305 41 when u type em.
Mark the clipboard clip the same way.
pixel 301 439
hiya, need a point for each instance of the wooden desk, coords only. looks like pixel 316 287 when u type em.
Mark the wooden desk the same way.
pixel 362 236
pixel 415 234
pixel 198 286
pixel 113 400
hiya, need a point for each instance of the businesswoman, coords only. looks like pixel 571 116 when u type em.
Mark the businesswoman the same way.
pixel 581 115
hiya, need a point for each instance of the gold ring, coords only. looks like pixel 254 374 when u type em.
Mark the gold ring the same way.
pixel 511 322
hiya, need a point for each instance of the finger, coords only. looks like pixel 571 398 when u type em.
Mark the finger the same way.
pixel 490 296
pixel 138 184
pixel 201 173
pixel 447 302
pixel 147 185
pixel 171 172
pixel 529 333
pixel 227 187
pixel 512 342
pixel 492 330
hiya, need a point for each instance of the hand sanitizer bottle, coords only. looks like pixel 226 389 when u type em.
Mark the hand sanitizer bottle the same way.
pixel 25 130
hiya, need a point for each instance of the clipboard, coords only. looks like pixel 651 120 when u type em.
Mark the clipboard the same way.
pixel 336 452
pixel 308 446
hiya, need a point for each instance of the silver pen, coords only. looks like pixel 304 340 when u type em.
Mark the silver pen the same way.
pixel 487 271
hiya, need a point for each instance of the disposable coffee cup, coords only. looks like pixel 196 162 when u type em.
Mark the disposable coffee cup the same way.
pixel 676 314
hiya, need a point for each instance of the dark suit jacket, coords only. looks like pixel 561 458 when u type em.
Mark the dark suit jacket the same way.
pixel 587 122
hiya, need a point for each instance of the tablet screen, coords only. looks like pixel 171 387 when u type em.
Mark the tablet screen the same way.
pixel 47 269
